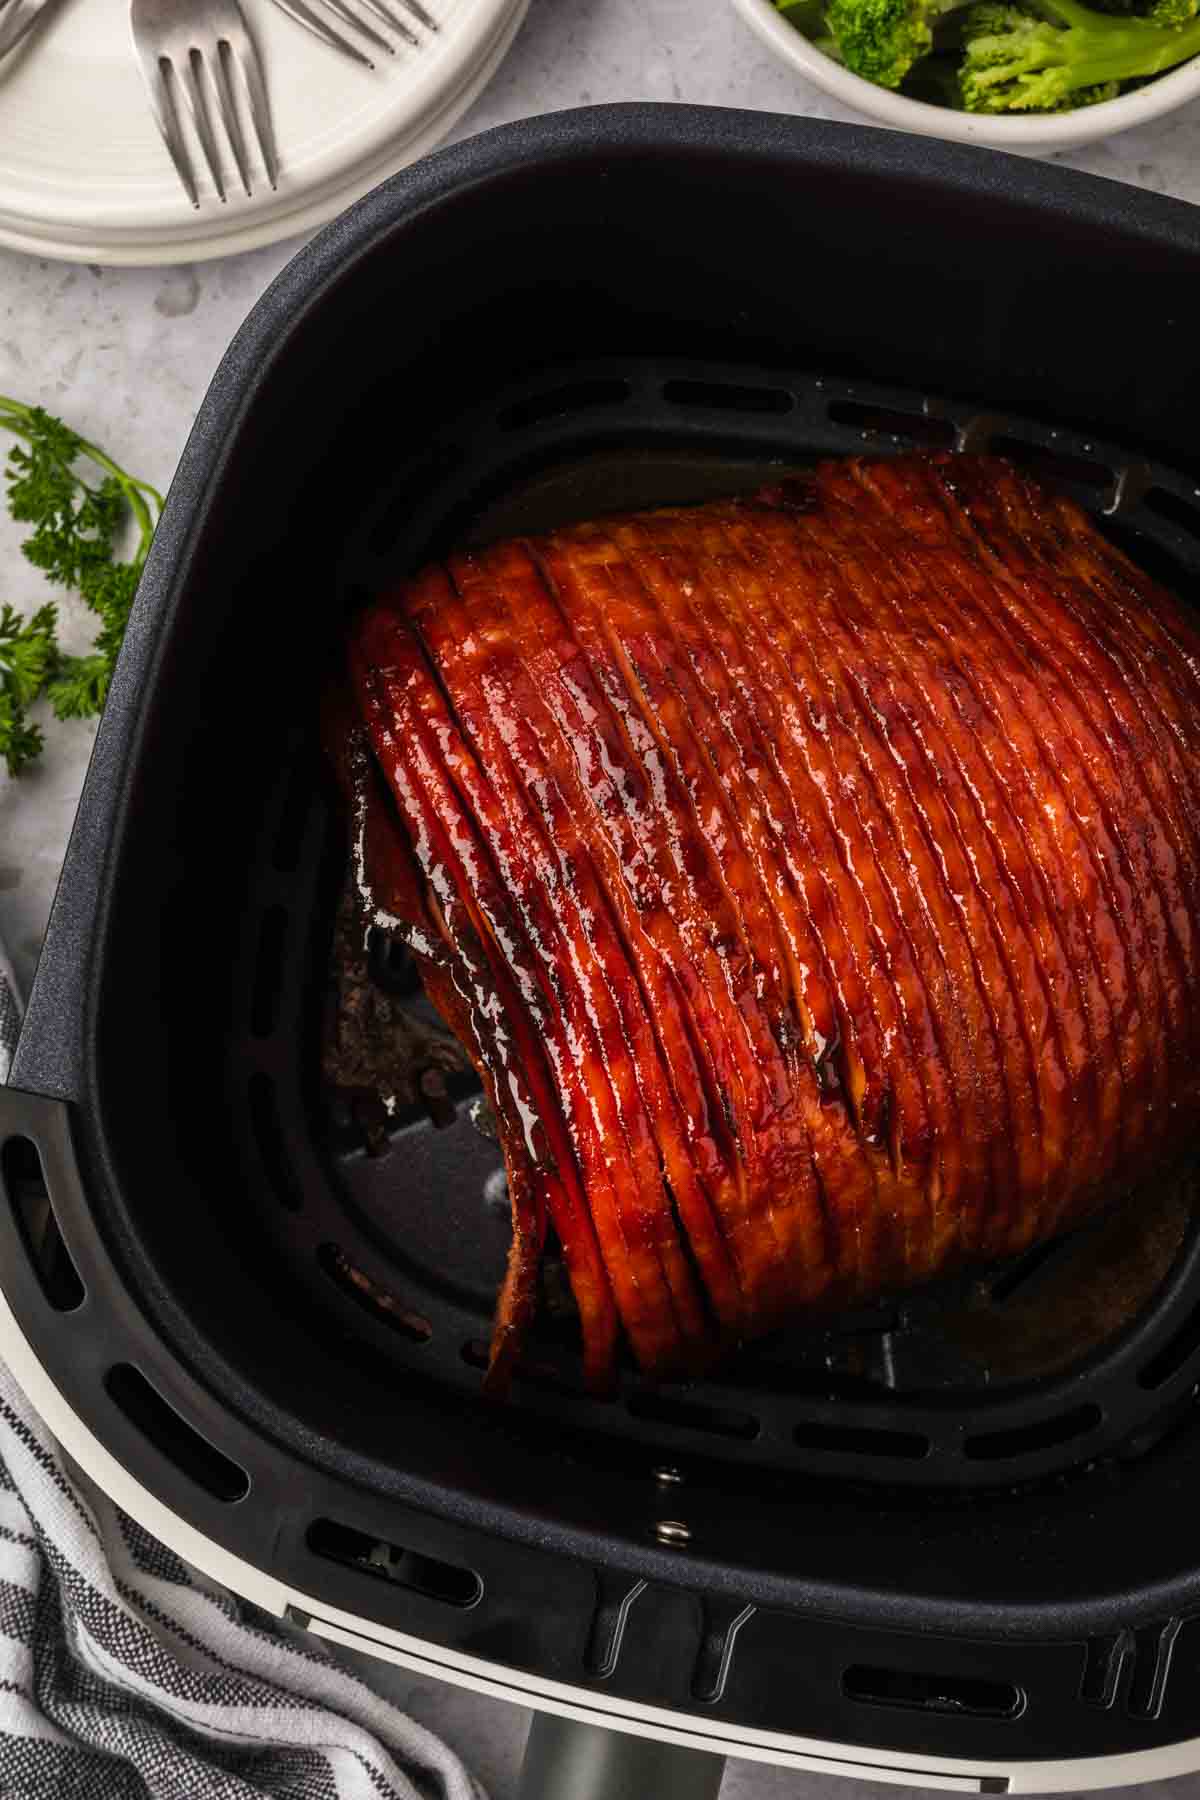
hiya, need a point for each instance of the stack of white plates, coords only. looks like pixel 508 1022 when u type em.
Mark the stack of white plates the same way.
pixel 84 174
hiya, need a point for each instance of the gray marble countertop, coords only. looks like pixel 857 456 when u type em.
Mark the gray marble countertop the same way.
pixel 126 355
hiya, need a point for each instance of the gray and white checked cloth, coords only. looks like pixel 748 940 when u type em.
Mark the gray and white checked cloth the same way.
pixel 126 1675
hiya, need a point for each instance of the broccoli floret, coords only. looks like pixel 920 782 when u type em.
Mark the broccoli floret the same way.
pixel 880 39
pixel 1173 12
pixel 1163 12
pixel 1074 56
pixel 808 16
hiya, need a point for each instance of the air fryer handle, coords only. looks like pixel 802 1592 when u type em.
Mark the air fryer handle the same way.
pixel 567 1760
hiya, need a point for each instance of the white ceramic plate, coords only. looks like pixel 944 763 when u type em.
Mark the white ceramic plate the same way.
pixel 1027 132
pixel 84 174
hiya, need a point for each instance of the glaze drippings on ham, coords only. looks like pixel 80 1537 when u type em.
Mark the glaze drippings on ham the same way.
pixel 814 880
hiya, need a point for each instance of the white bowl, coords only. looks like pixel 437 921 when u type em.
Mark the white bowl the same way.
pixel 1032 131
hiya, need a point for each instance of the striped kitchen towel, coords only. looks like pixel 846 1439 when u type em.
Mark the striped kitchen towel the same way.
pixel 126 1675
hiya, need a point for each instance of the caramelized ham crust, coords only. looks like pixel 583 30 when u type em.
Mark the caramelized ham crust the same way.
pixel 813 880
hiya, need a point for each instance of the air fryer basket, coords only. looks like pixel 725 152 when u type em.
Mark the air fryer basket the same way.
pixel 972 1383
pixel 933 1531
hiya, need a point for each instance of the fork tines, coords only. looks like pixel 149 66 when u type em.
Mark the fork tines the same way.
pixel 325 19
pixel 189 51
pixel 16 18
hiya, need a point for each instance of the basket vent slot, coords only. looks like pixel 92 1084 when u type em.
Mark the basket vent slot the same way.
pixel 404 1568
pixel 1044 1434
pixel 861 1440
pixel 1171 507
pixel 727 396
pixel 615 1598
pixel 1053 465
pixel 723 1619
pixel 689 1415
pixel 918 428
pixel 379 1301
pixel 268 1135
pixel 962 1694
pixel 1102 1669
pixel 561 402
pixel 1153 1649
pixel 1137 1664
pixel 24 1182
pixel 173 1437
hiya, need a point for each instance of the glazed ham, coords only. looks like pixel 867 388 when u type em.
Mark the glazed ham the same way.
pixel 813 879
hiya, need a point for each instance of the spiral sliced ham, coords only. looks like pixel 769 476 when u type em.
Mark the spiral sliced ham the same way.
pixel 813 879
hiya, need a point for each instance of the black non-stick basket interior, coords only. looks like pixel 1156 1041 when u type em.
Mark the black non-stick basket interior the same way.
pixel 282 1332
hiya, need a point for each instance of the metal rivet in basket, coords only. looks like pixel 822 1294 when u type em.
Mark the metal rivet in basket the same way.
pixel 666 1476
pixel 672 1532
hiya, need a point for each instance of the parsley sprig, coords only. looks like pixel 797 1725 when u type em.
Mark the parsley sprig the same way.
pixel 76 523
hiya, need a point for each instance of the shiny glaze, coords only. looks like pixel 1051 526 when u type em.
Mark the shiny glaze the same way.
pixel 815 881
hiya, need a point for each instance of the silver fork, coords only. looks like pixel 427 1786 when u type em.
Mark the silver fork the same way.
pixel 16 18
pixel 324 17
pixel 189 49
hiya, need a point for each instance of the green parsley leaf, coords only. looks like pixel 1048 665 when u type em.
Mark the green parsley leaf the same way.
pixel 76 522
pixel 28 657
